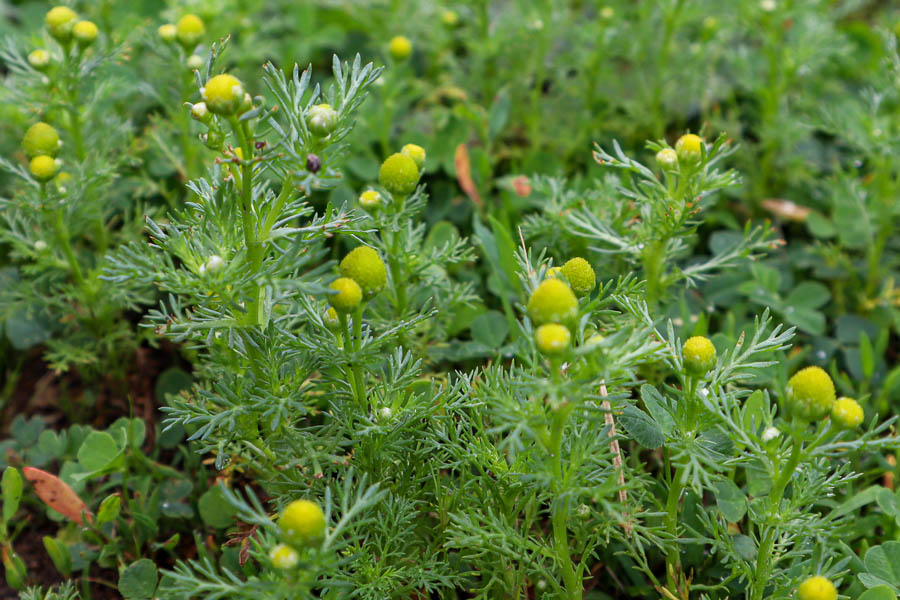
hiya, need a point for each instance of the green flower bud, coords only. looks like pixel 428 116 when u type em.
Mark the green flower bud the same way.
pixel 846 413
pixel 321 119
pixel 552 338
pixel 62 180
pixel 284 557
pixel 213 140
pixel 302 523
pixel 214 263
pixel 331 320
pixel 348 295
pixel 39 59
pixel 688 148
pixel 365 267
pixel 223 94
pixel 810 394
pixel 370 200
pixel 399 174
pixel 667 159
pixel 580 275
pixel 554 273
pixel 415 152
pixel 59 22
pixel 699 355
pixel 85 33
pixel 194 62
pixel 43 167
pixel 40 139
pixel 552 302
pixel 167 32
pixel 450 18
pixel 201 112
pixel 189 30
pixel 816 588
pixel 400 47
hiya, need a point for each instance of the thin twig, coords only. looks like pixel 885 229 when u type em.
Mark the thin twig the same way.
pixel 617 452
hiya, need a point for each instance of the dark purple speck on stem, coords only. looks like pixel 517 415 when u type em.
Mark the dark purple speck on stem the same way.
pixel 313 163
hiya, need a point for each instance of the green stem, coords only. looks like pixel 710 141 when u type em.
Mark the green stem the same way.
pixel 875 252
pixel 251 241
pixel 75 129
pixel 357 383
pixel 653 258
pixel 764 555
pixel 62 236
pixel 560 516
pixel 673 556
pixel 287 189
pixel 397 275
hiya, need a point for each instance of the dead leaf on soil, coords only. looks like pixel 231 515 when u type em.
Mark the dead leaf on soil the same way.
pixel 57 494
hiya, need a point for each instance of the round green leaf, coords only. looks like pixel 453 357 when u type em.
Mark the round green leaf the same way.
pixel 138 580
pixel 215 510
pixel 97 451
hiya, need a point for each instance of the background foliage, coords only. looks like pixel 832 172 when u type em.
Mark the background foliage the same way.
pixel 175 397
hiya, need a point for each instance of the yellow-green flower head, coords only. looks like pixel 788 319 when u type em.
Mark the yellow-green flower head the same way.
pixel 667 159
pixel 302 523
pixel 39 59
pixel 189 30
pixel 553 273
pixel 399 174
pixel 553 301
pixel 415 152
pixel 688 148
pixel 223 94
pixel 370 200
pixel 348 295
pixel 816 588
pixel 85 33
pixel 194 62
pixel 62 180
pixel 43 167
pixel 449 18
pixel 167 32
pixel 331 320
pixel 321 119
pixel 810 394
pixel 283 557
pixel 699 354
pixel 552 338
pixel 40 139
pixel 200 112
pixel 59 21
pixel 846 413
pixel 580 275
pixel 365 267
pixel 400 47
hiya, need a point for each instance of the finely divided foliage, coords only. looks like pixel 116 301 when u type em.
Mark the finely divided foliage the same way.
pixel 604 392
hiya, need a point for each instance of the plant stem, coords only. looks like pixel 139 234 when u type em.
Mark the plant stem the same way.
pixel 62 236
pixel 560 508
pixel 653 258
pixel 251 240
pixel 673 557
pixel 357 383
pixel 764 555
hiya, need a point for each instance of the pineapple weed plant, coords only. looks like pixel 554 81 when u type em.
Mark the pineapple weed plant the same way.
pixel 588 441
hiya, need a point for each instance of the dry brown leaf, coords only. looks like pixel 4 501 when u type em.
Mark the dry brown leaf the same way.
pixel 57 494
pixel 786 209
pixel 464 174
pixel 522 186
